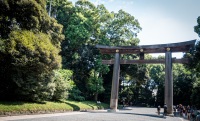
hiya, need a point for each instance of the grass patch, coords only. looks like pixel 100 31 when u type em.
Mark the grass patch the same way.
pixel 16 108
pixel 87 105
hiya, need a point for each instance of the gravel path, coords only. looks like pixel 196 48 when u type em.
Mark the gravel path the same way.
pixel 127 114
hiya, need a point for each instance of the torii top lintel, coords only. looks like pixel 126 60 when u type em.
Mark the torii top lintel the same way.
pixel 160 48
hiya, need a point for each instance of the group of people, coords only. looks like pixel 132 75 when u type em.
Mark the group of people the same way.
pixel 188 112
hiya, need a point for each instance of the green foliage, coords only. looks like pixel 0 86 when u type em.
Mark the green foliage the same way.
pixel 30 44
pixel 16 108
pixel 84 26
pixel 33 57
pixel 194 54
pixel 182 87
pixel 25 46
pixel 83 23
pixel 157 75
pixel 195 67
pixel 25 14
pixel 95 84
pixel 183 81
pixel 197 27
pixel 194 57
pixel 195 97
pixel 29 15
pixel 122 29
pixel 81 30
pixel 76 94
pixel 63 84
pixel 136 77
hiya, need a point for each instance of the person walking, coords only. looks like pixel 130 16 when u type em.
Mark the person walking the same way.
pixel 184 112
pixel 165 110
pixel 188 112
pixel 158 109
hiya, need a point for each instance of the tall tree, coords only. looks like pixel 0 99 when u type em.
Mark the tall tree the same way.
pixel 118 29
pixel 84 26
pixel 157 74
pixel 31 44
pixel 122 29
pixel 61 10
pixel 197 27
pixel 194 66
pixel 81 33
pixel 183 84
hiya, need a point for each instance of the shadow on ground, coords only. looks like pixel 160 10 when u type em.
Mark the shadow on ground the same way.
pixel 75 107
pixel 149 115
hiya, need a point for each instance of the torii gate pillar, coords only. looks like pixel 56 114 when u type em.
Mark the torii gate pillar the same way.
pixel 115 83
pixel 168 81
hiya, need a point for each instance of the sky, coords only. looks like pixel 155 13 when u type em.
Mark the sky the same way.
pixel 162 21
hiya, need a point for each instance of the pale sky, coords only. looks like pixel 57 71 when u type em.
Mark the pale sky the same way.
pixel 162 21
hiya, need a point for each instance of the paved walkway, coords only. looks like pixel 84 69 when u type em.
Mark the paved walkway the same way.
pixel 127 114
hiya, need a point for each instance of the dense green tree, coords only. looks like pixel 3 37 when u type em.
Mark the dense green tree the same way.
pixel 61 10
pixel 197 27
pixel 183 81
pixel 117 29
pixel 30 42
pixel 63 84
pixel 157 74
pixel 182 78
pixel 195 98
pixel 122 29
pixel 84 26
pixel 95 85
pixel 194 54
pixel 78 50
pixel 76 94
pixel 194 67
pixel 137 79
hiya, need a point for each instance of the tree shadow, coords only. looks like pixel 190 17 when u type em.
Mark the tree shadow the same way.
pixel 75 107
pixel 21 102
pixel 92 106
pixel 149 115
pixel 11 103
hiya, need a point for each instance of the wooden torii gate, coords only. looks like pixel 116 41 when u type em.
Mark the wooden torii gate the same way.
pixel 141 50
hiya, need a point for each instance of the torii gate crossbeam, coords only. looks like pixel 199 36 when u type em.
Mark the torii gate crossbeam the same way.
pixel 141 50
